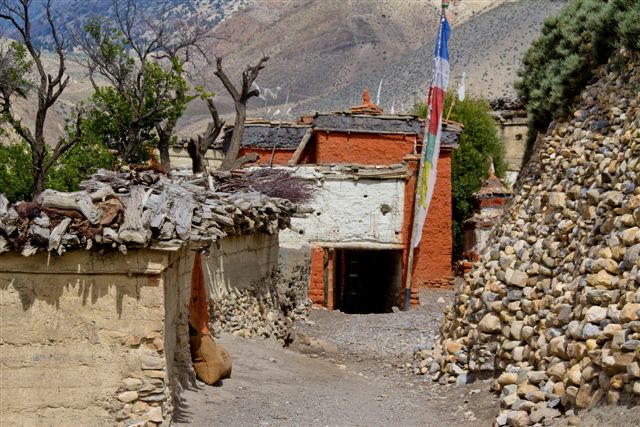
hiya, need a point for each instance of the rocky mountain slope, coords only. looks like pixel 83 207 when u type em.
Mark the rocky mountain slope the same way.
pixel 553 306
pixel 72 14
pixel 323 53
pixel 317 48
pixel 489 48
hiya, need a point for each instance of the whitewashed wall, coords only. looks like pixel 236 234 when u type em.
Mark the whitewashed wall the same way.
pixel 348 210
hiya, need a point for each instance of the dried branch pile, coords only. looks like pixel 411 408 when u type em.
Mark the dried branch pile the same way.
pixel 139 209
pixel 270 182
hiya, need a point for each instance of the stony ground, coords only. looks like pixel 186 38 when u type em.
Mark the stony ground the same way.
pixel 341 370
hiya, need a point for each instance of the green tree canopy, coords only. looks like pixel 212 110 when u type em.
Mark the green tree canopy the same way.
pixel 470 163
pixel 142 91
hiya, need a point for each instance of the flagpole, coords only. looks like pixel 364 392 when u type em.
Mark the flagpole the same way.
pixel 407 288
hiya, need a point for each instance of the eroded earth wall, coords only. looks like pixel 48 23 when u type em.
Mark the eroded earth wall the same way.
pixel 83 338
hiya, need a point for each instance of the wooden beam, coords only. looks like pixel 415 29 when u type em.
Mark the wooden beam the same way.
pixel 331 279
pixel 301 147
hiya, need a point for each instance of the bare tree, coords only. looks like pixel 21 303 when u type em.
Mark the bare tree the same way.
pixel 197 148
pixel 15 81
pixel 240 98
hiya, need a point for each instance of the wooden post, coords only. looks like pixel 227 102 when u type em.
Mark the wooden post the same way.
pixel 331 279
pixel 407 286
pixel 301 147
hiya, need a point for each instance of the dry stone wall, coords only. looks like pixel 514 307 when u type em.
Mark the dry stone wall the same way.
pixel 553 305
pixel 248 294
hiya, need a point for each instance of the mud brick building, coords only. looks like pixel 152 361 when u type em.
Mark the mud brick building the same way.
pixel 365 166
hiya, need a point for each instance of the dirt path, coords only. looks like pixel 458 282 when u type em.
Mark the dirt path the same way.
pixel 342 370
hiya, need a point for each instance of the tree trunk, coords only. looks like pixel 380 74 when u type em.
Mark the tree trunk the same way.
pixel 131 144
pixel 197 157
pixel 164 139
pixel 236 138
pixel 37 165
pixel 38 184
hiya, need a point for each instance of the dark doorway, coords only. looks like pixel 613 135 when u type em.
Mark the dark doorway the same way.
pixel 367 281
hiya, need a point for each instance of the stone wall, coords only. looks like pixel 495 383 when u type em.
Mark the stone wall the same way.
pixel 249 296
pixel 92 339
pixel 553 305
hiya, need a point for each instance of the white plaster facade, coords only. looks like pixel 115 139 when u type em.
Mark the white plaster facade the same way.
pixel 349 210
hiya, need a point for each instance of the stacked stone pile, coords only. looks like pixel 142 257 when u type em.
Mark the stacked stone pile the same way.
pixel 553 306
pixel 261 310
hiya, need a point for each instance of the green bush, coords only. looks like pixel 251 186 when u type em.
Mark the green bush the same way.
pixel 78 164
pixel 585 34
pixel 469 164
pixel 16 179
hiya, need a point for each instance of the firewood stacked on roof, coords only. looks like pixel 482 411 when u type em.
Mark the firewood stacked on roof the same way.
pixel 120 210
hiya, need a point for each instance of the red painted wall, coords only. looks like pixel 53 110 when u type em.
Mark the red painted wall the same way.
pixel 280 157
pixel 361 148
pixel 432 259
pixel 316 285
pixel 409 201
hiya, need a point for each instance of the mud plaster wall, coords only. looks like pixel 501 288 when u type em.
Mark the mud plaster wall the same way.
pixel 513 135
pixel 239 262
pixel 84 338
pixel 180 158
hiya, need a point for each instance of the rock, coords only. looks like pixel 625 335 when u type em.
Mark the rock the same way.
pixel 596 314
pixel 540 414
pixel 453 347
pixel 591 331
pixel 517 418
pixel 151 362
pixel 585 396
pixel 507 378
pixel 516 278
pixel 629 312
pixel 602 278
pixel 557 370
pixel 630 236
pixel 501 419
pixel 132 383
pixel 155 414
pixel 574 421
pixel 633 370
pixel 631 257
pixel 139 407
pixel 557 200
pixel 490 323
pixel 128 396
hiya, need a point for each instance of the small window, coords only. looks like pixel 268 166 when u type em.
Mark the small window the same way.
pixel 518 137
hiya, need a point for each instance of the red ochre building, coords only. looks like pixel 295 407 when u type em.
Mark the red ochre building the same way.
pixel 366 165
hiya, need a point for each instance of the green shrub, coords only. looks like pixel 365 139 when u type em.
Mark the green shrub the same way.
pixel 585 34
pixel 16 178
pixel 469 164
pixel 78 164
